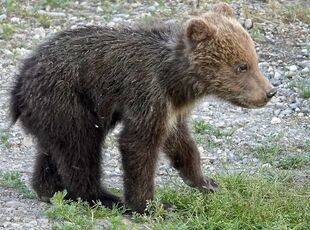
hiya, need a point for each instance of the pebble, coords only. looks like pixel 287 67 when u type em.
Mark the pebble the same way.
pixel 293 68
pixel 275 120
pixel 286 112
pixel 2 17
pixel 305 70
pixel 277 75
pixel 267 165
pixel 248 24
pixel 15 20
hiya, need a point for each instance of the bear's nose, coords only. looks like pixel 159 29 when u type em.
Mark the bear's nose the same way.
pixel 271 93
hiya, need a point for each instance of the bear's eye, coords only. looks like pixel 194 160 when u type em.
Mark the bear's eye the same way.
pixel 242 68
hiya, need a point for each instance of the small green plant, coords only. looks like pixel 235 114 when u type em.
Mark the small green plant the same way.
pixel 294 162
pixel 80 215
pixel 44 20
pixel 6 31
pixel 268 153
pixel 290 13
pixel 302 87
pixel 201 127
pixel 56 3
pixel 256 33
pixel 13 180
pixel 4 139
pixel 10 6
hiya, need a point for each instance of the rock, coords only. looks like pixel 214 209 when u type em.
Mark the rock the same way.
pixel 275 120
pixel 2 17
pixel 305 70
pixel 15 20
pixel 293 68
pixel 277 75
pixel 15 204
pixel 267 165
pixel 294 105
pixel 286 112
pixel 248 24
pixel 275 82
pixel 99 9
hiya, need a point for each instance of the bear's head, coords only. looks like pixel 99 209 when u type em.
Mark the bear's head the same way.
pixel 223 54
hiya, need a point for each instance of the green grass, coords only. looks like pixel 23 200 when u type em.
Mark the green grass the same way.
pixel 302 87
pixel 10 6
pixel 6 31
pixel 292 12
pixel 55 3
pixel 201 127
pixel 294 162
pixel 268 153
pixel 283 157
pixel 13 180
pixel 4 139
pixel 244 202
pixel 44 20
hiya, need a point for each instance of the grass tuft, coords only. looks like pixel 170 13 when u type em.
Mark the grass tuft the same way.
pixel 302 87
pixel 13 180
pixel 6 31
pixel 294 162
pixel 291 13
pixel 244 202
pixel 201 127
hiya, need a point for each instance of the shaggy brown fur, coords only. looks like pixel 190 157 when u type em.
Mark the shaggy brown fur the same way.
pixel 75 87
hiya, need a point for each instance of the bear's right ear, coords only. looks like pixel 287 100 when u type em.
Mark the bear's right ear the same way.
pixel 198 30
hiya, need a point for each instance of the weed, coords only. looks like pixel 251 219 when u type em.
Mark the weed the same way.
pixel 80 215
pixel 302 87
pixel 4 139
pixel 201 127
pixel 44 20
pixel 13 180
pixel 56 3
pixel 256 33
pixel 10 6
pixel 268 153
pixel 244 202
pixel 290 13
pixel 6 31
pixel 294 162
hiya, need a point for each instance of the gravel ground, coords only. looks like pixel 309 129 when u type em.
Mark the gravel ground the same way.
pixel 284 124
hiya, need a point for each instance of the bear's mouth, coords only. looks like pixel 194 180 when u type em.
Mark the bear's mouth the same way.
pixel 248 105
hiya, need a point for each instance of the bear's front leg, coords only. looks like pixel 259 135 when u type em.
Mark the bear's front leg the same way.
pixel 139 148
pixel 185 157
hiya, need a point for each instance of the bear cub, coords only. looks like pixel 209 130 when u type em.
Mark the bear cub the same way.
pixel 80 83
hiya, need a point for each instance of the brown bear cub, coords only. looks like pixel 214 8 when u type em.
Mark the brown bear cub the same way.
pixel 79 84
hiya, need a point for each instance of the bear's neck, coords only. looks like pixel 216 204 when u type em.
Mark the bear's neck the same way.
pixel 178 78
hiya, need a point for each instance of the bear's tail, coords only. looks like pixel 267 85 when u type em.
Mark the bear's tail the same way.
pixel 15 110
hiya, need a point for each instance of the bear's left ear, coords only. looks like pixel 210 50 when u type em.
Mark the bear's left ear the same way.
pixel 198 30
pixel 223 9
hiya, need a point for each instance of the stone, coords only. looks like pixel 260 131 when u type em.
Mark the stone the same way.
pixel 305 70
pixel 277 75
pixel 275 120
pixel 293 68
pixel 248 24
pixel 2 17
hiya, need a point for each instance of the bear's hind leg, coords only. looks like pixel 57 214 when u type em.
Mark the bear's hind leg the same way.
pixel 45 179
pixel 78 159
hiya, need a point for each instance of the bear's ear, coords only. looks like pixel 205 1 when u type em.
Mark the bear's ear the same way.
pixel 198 30
pixel 223 9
